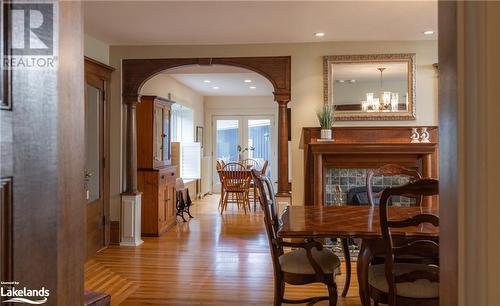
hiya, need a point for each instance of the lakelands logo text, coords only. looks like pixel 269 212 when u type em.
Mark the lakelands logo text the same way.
pixel 31 41
pixel 12 294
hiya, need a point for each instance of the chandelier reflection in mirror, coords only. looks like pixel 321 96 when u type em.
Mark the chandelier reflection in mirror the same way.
pixel 387 101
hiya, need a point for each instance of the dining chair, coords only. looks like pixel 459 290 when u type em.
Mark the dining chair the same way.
pixel 218 167
pixel 263 170
pixel 252 164
pixel 409 284
pixel 307 263
pixel 236 181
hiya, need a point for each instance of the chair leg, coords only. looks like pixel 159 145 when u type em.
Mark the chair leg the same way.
pixel 224 202
pixel 279 292
pixel 347 258
pixel 332 294
pixel 254 198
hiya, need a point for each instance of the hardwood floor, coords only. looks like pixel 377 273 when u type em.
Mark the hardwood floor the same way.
pixel 211 260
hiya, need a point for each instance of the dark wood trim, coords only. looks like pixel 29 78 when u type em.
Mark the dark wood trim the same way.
pixel 449 129
pixel 135 72
pixel 5 51
pixel 6 233
pixel 114 237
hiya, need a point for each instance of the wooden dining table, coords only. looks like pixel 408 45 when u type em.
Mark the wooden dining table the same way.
pixel 353 221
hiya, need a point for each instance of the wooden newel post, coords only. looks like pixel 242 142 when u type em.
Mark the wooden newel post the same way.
pixel 131 148
pixel 283 186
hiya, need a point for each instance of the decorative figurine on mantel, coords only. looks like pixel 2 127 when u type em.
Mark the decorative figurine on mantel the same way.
pixel 424 135
pixel 415 137
pixel 326 119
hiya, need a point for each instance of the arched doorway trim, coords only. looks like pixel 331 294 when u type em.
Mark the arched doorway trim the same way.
pixel 277 69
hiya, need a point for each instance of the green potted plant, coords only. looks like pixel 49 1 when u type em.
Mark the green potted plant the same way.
pixel 326 119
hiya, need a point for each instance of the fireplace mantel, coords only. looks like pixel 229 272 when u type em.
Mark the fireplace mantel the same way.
pixel 363 147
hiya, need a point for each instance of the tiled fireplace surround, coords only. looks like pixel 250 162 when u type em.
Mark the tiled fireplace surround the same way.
pixel 347 179
pixel 344 161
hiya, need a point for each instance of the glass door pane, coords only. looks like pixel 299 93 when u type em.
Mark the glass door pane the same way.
pixel 166 134
pixel 93 143
pixel 227 139
pixel 158 132
pixel 259 138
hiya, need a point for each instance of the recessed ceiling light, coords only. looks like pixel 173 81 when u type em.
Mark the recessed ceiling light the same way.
pixel 352 81
pixel 428 32
pixel 206 81
pixel 339 81
pixel 248 81
pixel 216 87
pixel 253 87
pixel 319 34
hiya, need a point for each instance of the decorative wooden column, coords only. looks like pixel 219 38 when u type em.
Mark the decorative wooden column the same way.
pixel 283 186
pixel 130 221
pixel 131 146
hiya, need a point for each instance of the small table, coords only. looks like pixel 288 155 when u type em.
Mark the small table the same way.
pixel 351 221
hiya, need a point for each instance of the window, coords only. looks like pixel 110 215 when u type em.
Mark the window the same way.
pixel 182 124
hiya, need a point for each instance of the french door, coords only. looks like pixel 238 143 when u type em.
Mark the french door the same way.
pixel 239 137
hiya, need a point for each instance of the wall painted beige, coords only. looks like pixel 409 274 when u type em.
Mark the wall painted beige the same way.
pixel 307 85
pixel 163 84
pixel 96 49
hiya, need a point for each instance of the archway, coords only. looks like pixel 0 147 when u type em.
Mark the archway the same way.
pixel 135 72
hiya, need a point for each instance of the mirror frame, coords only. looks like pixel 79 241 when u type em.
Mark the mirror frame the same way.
pixel 409 58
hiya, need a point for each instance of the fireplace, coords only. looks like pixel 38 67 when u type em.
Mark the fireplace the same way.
pixel 348 186
pixel 356 149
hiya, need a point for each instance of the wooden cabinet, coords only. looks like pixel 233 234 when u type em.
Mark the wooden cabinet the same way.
pixel 153 132
pixel 158 200
pixel 155 176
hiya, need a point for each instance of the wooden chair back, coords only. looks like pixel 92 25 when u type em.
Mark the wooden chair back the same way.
pixel 269 207
pixel 219 164
pixel 251 163
pixel 263 170
pixel 235 177
pixel 389 170
pixel 420 248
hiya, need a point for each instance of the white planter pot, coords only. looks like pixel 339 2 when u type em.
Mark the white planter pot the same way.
pixel 326 133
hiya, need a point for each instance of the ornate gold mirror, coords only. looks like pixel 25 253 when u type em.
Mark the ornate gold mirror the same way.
pixel 370 87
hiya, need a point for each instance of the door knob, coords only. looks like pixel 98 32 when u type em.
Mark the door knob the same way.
pixel 88 175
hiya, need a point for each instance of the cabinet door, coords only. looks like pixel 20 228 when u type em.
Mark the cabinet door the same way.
pixel 170 207
pixel 161 206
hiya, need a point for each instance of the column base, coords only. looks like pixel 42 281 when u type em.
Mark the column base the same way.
pixel 284 198
pixel 131 220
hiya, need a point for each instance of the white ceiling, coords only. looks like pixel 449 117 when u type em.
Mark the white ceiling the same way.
pixel 229 80
pixel 229 22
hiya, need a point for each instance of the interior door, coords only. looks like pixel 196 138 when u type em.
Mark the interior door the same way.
pixel 95 162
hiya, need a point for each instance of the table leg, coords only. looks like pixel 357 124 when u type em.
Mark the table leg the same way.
pixel 364 258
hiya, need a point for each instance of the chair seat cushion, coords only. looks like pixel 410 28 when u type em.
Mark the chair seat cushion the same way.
pixel 296 261
pixel 420 289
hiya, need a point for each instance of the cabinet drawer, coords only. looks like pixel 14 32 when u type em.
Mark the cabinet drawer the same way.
pixel 167 175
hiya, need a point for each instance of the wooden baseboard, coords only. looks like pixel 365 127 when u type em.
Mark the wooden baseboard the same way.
pixel 114 237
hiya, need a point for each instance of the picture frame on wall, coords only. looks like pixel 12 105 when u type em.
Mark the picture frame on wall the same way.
pixel 199 135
